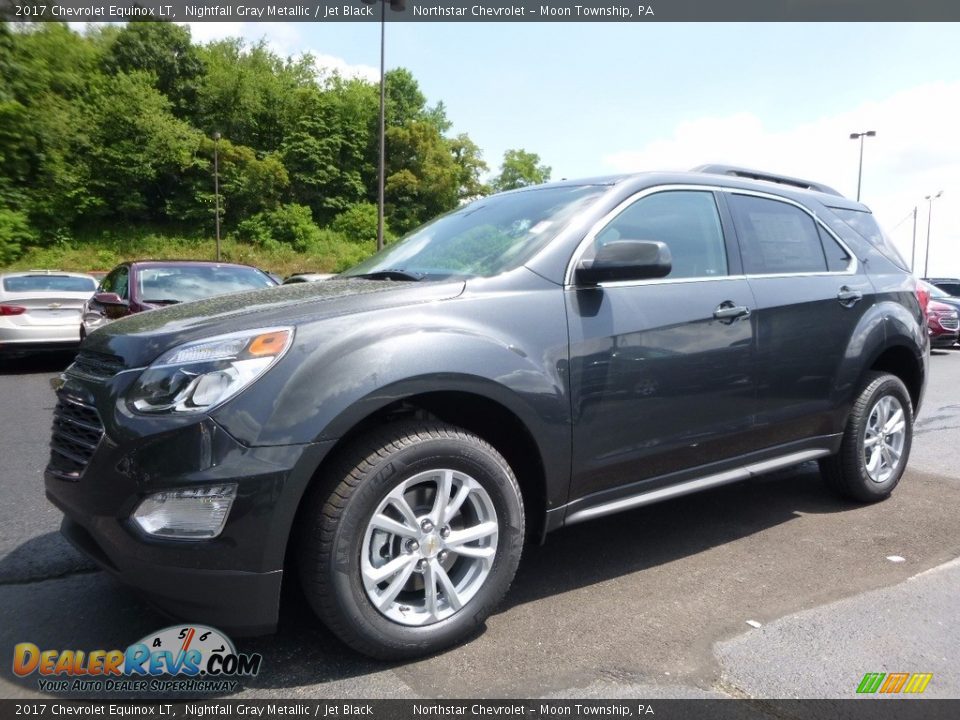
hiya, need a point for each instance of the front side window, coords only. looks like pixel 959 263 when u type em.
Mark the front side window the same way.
pixel 121 284
pixel 776 237
pixel 687 221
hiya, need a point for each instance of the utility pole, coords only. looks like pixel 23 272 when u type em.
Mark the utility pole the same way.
pixel 926 261
pixel 861 136
pixel 397 5
pixel 216 185
pixel 913 243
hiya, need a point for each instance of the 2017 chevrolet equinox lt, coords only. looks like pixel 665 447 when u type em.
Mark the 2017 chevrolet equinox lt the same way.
pixel 535 359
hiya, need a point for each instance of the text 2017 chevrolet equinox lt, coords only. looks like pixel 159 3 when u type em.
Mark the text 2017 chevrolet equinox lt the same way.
pixel 538 358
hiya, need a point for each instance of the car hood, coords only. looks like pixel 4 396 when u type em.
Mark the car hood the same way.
pixel 139 339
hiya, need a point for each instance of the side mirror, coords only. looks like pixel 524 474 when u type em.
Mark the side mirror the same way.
pixel 108 298
pixel 626 260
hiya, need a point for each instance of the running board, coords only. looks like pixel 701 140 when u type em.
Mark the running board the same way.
pixel 691 486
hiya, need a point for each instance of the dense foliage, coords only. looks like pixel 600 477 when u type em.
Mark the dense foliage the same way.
pixel 111 131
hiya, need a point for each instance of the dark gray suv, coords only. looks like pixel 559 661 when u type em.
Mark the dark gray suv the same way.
pixel 535 359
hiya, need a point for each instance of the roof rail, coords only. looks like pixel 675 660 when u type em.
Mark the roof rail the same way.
pixel 766 176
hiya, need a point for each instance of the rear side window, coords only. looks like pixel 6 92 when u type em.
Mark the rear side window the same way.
pixel 686 220
pixel 776 237
pixel 864 224
pixel 838 259
pixel 49 283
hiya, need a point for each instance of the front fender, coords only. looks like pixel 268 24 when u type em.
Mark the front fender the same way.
pixel 342 370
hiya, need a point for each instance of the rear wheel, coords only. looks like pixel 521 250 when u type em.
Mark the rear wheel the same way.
pixel 876 442
pixel 416 542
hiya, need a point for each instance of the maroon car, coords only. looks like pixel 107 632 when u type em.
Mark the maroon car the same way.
pixel 133 287
pixel 942 324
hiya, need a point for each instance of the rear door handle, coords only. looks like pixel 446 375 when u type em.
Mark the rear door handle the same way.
pixel 848 297
pixel 728 311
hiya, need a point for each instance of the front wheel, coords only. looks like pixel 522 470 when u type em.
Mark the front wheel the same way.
pixel 416 543
pixel 876 442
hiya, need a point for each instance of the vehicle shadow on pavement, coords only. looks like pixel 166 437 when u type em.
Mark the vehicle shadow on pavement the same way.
pixel 40 363
pixel 628 542
pixel 88 610
pixel 42 558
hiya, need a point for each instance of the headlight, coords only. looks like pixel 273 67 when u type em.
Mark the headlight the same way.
pixel 188 514
pixel 200 375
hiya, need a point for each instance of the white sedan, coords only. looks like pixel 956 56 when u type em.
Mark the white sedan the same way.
pixel 40 310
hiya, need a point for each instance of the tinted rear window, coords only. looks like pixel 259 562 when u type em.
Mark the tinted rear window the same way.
pixel 48 283
pixel 776 237
pixel 866 227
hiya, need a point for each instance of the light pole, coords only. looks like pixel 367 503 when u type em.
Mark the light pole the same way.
pixel 397 5
pixel 913 243
pixel 216 184
pixel 926 260
pixel 861 136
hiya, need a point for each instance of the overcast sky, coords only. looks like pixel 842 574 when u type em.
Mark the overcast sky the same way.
pixel 598 98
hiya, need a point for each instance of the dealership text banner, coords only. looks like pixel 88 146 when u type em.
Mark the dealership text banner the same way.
pixel 484 11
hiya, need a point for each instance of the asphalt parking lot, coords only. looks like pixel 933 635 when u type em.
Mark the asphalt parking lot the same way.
pixel 650 603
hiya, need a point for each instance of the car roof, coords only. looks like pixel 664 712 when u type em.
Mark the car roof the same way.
pixel 187 263
pixel 45 273
pixel 732 176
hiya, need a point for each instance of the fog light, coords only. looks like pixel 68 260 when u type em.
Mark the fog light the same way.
pixel 189 514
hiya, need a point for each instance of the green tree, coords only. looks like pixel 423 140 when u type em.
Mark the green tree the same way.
pixel 519 169
pixel 470 164
pixel 138 151
pixel 14 234
pixel 326 152
pixel 251 95
pixel 288 224
pixel 422 178
pixel 165 50
pixel 358 223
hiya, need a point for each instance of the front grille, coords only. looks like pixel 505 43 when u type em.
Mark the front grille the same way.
pixel 76 433
pixel 98 366
pixel 949 323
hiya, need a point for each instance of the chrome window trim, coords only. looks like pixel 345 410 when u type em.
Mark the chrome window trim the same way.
pixel 852 267
pixel 568 279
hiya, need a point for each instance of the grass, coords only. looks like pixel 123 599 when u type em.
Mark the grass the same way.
pixel 106 249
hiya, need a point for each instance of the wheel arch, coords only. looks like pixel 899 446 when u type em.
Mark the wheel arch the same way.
pixel 899 360
pixel 478 408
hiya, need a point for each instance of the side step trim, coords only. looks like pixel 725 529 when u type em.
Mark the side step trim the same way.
pixel 691 486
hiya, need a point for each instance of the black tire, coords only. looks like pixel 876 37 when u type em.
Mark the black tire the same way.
pixel 846 472
pixel 335 519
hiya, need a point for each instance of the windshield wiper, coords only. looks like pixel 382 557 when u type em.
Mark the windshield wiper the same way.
pixel 392 274
pixel 165 301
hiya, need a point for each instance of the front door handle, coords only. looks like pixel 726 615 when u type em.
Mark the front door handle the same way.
pixel 848 297
pixel 729 312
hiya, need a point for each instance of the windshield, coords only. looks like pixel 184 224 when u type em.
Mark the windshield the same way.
pixel 195 282
pixel 49 283
pixel 484 238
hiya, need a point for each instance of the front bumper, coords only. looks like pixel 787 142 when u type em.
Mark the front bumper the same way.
pixel 232 581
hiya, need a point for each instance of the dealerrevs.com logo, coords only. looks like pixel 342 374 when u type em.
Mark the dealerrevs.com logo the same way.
pixel 181 658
